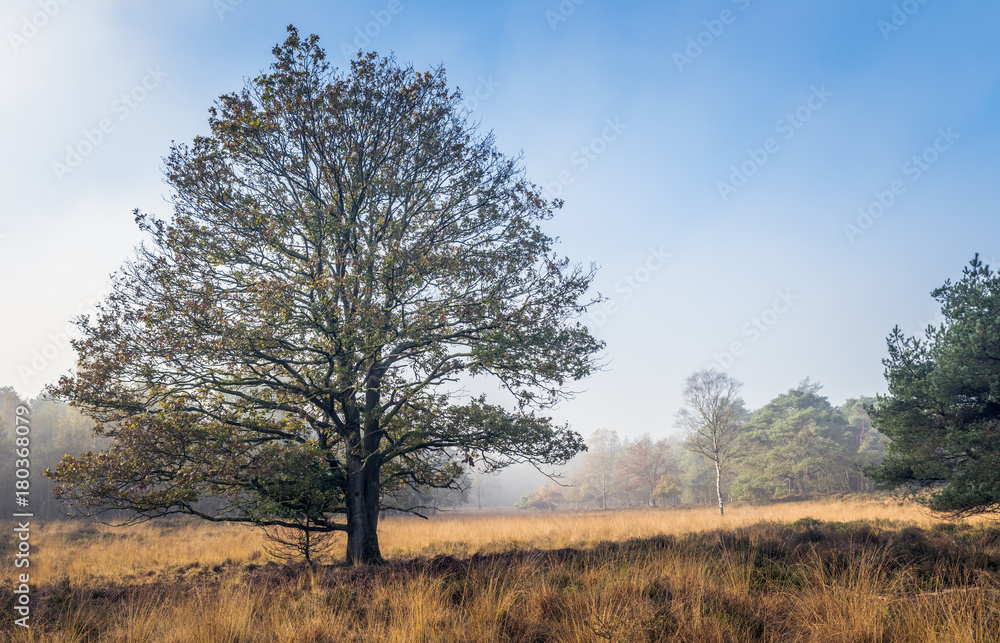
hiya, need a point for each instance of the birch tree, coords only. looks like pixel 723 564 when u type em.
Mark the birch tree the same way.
pixel 711 419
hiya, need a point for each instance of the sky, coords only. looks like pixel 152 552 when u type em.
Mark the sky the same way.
pixel 766 188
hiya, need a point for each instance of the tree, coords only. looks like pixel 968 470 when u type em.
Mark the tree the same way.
pixel 712 419
pixel 942 412
pixel 344 247
pixel 544 498
pixel 666 488
pixel 299 542
pixel 479 481
pixel 641 466
pixel 697 476
pixel 9 402
pixel 55 430
pixel 798 443
pixel 428 499
pixel 600 464
pixel 579 492
pixel 867 446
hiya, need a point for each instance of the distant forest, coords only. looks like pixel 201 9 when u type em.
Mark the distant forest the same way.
pixel 56 430
pixel 796 446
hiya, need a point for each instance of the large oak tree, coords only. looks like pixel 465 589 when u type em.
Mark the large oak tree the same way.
pixel 345 249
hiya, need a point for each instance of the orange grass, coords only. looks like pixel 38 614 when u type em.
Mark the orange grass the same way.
pixel 92 550
pixel 856 570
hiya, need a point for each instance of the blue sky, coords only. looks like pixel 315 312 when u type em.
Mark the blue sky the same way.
pixel 710 156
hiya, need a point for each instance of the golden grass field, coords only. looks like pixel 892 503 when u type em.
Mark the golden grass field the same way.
pixel 856 570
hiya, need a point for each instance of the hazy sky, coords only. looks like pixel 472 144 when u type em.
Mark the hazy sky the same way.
pixel 768 187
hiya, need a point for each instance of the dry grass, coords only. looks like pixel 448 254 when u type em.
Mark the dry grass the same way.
pixel 863 571
pixel 465 533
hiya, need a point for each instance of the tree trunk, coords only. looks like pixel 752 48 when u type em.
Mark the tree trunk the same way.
pixel 307 550
pixel 363 468
pixel 718 486
pixel 362 512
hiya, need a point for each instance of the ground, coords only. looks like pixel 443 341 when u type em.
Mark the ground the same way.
pixel 849 570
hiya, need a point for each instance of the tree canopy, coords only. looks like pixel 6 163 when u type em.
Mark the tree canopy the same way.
pixel 798 443
pixel 942 411
pixel 344 248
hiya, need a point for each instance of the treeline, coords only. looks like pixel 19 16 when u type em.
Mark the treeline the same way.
pixel 796 446
pixel 56 429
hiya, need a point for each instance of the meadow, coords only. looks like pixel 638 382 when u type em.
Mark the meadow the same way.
pixel 852 570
